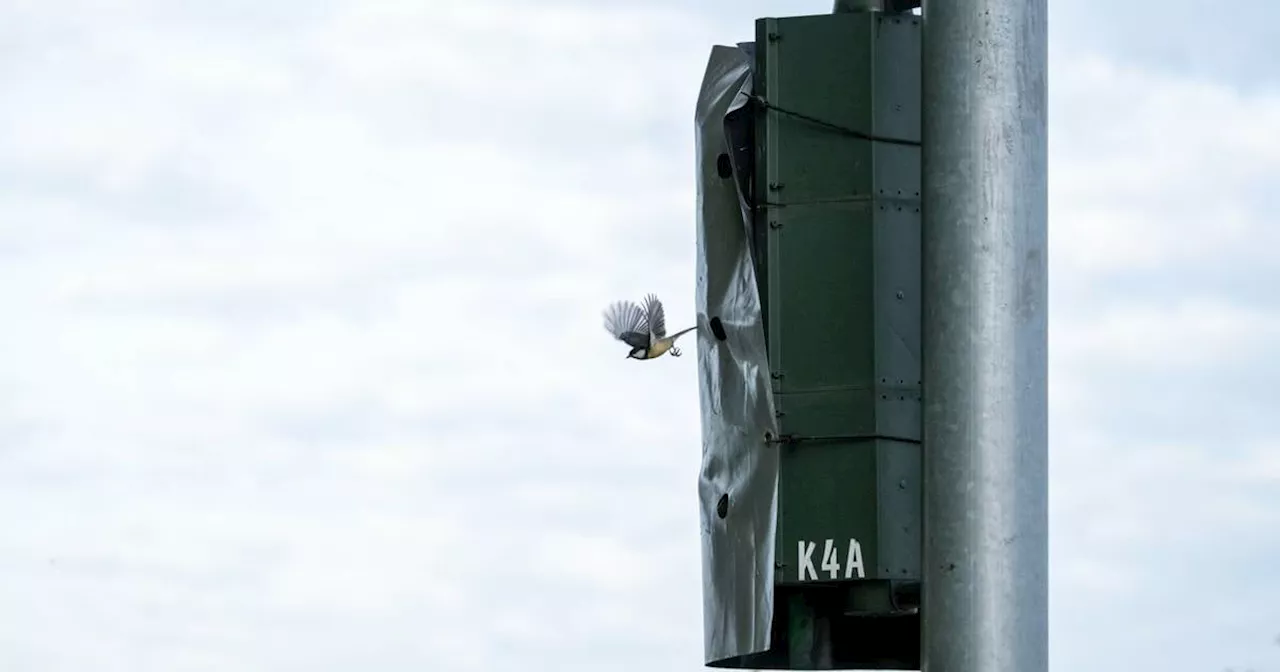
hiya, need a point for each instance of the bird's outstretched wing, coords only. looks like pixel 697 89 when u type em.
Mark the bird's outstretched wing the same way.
pixel 628 323
pixel 655 316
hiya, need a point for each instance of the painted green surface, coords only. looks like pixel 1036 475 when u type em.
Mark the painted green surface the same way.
pixel 841 222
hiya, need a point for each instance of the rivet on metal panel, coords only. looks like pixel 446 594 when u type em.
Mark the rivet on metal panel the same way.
pixel 900 295
pixel 902 485
pixel 776 186
pixel 773 224
pixel 774 37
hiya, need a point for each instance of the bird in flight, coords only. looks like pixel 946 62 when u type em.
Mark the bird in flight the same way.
pixel 644 328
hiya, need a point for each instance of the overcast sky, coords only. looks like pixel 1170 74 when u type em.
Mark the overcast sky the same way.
pixel 301 365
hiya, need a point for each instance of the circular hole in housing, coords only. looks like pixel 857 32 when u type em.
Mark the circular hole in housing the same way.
pixel 717 329
pixel 724 168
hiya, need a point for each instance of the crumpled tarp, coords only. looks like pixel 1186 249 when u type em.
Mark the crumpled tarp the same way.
pixel 738 485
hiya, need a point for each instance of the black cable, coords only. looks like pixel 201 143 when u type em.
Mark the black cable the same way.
pixel 835 127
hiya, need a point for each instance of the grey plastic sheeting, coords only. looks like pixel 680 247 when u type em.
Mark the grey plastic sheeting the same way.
pixel 733 378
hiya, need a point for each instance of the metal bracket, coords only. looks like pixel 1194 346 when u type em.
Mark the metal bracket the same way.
pixel 791 439
pixel 889 6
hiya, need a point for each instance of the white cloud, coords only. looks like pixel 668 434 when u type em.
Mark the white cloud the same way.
pixel 1161 386
pixel 1151 170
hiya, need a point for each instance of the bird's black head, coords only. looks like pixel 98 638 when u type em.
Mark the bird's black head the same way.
pixel 636 353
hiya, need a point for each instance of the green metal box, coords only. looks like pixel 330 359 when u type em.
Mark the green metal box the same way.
pixel 836 218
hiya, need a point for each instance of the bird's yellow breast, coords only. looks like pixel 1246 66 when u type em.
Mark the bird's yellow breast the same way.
pixel 660 348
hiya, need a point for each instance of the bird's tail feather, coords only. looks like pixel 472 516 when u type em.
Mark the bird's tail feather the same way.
pixel 678 334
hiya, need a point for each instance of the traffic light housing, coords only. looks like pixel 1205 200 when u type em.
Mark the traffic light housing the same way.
pixel 809 279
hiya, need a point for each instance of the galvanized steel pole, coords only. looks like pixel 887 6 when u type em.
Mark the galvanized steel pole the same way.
pixel 844 6
pixel 985 346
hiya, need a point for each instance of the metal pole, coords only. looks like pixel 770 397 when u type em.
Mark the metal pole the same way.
pixel 845 6
pixel 985 336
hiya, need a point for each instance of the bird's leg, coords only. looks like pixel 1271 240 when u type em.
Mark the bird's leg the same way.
pixel 675 352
